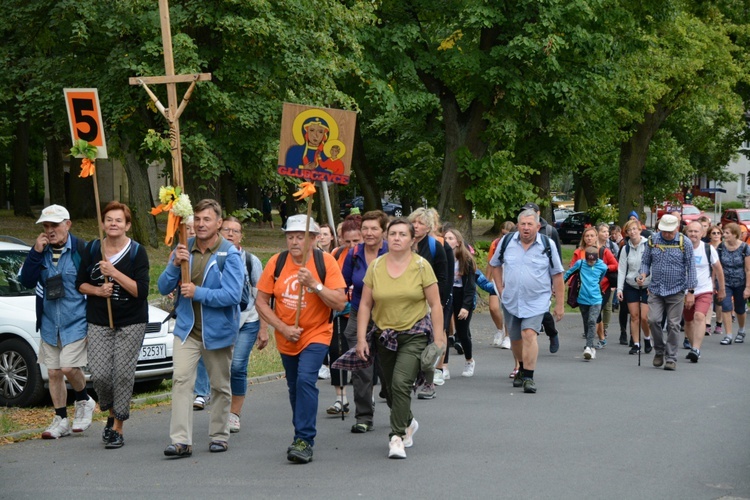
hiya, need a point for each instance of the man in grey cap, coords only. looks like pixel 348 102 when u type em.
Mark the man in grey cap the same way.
pixel 668 259
pixel 51 267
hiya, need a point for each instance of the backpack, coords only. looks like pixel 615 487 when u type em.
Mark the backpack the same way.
pixel 248 284
pixel 610 275
pixel 320 267
pixel 221 258
pixel 662 247
pixel 97 250
pixel 545 241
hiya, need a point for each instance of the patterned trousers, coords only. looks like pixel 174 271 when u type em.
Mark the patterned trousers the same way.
pixel 113 355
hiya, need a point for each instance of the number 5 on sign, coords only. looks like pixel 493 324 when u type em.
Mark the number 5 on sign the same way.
pixel 85 117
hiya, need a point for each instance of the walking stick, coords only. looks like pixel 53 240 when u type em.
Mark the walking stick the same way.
pixel 639 326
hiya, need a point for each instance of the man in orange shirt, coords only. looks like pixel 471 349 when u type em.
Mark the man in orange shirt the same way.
pixel 302 347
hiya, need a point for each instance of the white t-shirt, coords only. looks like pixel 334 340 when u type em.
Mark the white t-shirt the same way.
pixel 702 270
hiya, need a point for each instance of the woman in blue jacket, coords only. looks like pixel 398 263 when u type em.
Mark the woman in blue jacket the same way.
pixel 591 271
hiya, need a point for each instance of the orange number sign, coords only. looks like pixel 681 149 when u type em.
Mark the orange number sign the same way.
pixel 85 117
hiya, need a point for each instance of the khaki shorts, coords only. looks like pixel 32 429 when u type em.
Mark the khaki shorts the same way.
pixel 54 357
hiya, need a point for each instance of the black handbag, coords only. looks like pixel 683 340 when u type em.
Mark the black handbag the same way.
pixel 573 289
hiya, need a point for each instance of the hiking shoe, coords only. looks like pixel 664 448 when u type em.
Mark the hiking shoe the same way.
pixel 506 343
pixel 361 427
pixel 338 408
pixel 529 387
pixel 497 341
pixel 726 340
pixel 587 353
pixel 517 380
pixel 647 345
pixel 670 366
pixel 601 344
pixel 200 402
pixel 324 373
pixel 739 338
pixel 410 431
pixel 396 448
pixel 635 349
pixel 438 379
pixel 115 441
pixel 84 414
pixel 693 355
pixel 459 348
pixel 718 330
pixel 468 371
pixel 658 360
pixel 57 429
pixel 623 338
pixel 301 452
pixel 554 343
pixel 686 344
pixel 427 391
pixel 234 422
pixel 446 373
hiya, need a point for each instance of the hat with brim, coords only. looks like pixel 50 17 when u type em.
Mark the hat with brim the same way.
pixel 55 214
pixel 298 223
pixel 668 223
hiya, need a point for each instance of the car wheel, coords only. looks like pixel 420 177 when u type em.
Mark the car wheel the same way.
pixel 20 379
pixel 398 213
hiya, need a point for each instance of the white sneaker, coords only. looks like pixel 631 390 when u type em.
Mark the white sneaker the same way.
pixel 234 422
pixel 593 353
pixel 438 379
pixel 446 373
pixel 587 353
pixel 396 448
pixel 324 373
pixel 505 343
pixel 410 431
pixel 498 340
pixel 57 429
pixel 469 369
pixel 84 414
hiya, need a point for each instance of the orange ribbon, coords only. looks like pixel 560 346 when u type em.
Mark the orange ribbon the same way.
pixel 87 168
pixel 164 207
pixel 173 224
pixel 306 189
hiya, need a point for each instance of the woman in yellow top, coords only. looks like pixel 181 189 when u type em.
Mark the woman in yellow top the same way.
pixel 398 288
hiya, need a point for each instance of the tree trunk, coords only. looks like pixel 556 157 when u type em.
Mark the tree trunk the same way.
pixel 19 168
pixel 586 192
pixel 542 182
pixel 633 154
pixel 141 202
pixel 228 192
pixel 368 185
pixel 55 171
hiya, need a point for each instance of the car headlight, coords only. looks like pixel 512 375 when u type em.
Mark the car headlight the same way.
pixel 170 325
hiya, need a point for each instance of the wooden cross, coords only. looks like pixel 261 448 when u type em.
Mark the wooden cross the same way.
pixel 173 112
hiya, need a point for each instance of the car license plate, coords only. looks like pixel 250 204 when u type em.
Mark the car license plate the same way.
pixel 153 352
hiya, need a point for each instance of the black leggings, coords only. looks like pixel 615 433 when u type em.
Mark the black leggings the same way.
pixel 463 334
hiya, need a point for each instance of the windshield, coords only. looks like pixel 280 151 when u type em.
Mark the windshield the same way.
pixel 10 265
pixel 690 211
pixel 743 216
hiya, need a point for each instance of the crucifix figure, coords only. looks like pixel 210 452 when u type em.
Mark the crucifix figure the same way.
pixel 172 112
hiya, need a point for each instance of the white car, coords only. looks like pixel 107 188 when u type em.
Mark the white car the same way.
pixel 22 380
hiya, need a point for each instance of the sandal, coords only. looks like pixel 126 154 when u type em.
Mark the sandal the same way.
pixel 218 446
pixel 178 450
pixel 361 428
pixel 513 373
pixel 336 408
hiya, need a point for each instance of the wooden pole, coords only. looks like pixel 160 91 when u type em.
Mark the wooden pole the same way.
pixel 101 239
pixel 305 252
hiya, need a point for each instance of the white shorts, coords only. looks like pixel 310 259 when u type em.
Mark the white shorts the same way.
pixel 54 357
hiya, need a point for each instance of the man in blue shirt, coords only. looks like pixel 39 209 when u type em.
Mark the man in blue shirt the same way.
pixel 525 279
pixel 669 260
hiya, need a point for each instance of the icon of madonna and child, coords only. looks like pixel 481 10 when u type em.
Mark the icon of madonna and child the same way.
pixel 317 153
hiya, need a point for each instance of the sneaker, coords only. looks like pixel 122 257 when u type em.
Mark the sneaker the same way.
pixel 324 373
pixel 587 353
pixel 115 441
pixel 601 344
pixel 234 422
pixel 106 434
pixel 658 360
pixel 446 373
pixel 301 452
pixel 513 373
pixel 647 346
pixel 410 431
pixel 338 408
pixel 554 343
pixel 623 338
pixel 726 340
pixel 506 343
pixel 451 341
pixel 718 330
pixel 459 348
pixel 361 428
pixel 84 415
pixel 529 387
pixel 517 380
pixel 57 429
pixel 438 378
pixel 396 448
pixel 427 391
pixel 708 331
pixel 693 355
pixel 686 344
pixel 635 349
pixel 497 341
pixel 200 402
pixel 670 366
pixel 739 338
pixel 468 370
pixel 593 353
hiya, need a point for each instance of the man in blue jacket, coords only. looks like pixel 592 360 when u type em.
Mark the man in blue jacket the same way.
pixel 208 319
pixel 51 267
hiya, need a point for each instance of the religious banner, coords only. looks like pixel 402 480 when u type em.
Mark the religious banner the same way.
pixel 85 118
pixel 316 143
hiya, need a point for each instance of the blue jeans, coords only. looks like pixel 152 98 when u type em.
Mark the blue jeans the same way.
pixel 240 357
pixel 301 379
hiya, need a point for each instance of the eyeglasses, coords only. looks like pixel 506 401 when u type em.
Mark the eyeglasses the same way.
pixel 230 230
pixel 715 232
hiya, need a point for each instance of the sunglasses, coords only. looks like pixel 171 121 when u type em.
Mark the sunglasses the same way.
pixel 715 232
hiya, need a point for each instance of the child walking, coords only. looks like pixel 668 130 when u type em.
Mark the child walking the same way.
pixel 590 273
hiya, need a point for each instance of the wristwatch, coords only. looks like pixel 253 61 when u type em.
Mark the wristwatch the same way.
pixel 319 288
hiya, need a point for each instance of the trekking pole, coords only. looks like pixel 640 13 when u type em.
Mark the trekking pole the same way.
pixel 640 336
pixel 341 370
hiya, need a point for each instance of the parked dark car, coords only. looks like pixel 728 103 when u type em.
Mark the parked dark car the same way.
pixel 390 208
pixel 572 227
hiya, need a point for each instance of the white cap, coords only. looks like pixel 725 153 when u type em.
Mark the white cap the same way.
pixel 54 213
pixel 298 222
pixel 668 223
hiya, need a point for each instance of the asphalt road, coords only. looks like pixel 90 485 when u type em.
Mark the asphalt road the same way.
pixel 601 429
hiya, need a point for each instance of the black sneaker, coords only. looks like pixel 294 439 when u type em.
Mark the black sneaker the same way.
pixel 693 355
pixel 647 345
pixel 529 387
pixel 623 338
pixel 459 347
pixel 686 344
pixel 115 440
pixel 106 434
pixel 634 349
pixel 301 452
pixel 517 380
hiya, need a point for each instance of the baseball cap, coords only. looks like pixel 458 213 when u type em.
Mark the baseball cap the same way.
pixel 668 223
pixel 298 223
pixel 531 206
pixel 54 213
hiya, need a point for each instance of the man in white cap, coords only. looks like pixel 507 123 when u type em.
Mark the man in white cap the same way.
pixel 668 258
pixel 51 267
pixel 302 347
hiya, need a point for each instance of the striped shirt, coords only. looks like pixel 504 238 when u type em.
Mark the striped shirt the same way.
pixel 670 264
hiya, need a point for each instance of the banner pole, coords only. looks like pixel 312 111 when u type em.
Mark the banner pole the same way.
pixel 329 212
